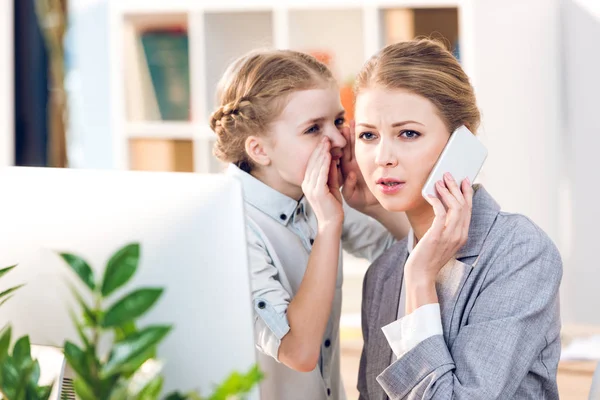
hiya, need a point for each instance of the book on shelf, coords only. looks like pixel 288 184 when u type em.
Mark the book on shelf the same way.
pixel 157 74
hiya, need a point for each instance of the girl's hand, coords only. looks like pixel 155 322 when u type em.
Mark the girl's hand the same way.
pixel 321 186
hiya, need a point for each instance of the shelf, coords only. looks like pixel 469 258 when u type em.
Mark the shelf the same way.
pixel 162 6
pixel 160 130
pixel 228 37
pixel 314 30
pixel 169 130
pixel 161 155
pixel 400 24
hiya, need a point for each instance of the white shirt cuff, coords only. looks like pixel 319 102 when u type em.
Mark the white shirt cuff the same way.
pixel 406 333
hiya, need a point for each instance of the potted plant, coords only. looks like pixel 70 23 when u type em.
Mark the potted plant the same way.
pixel 117 374
pixel 19 373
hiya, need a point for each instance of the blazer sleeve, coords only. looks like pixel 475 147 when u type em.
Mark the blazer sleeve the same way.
pixel 505 330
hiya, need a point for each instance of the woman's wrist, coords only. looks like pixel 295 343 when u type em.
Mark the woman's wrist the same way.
pixel 419 292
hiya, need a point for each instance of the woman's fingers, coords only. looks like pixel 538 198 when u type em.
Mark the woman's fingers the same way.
pixel 349 186
pixel 447 198
pixel 453 188
pixel 439 222
pixel 347 157
pixel 467 190
pixel 352 139
pixel 333 180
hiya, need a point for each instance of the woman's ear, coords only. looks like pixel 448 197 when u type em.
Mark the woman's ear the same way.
pixel 255 148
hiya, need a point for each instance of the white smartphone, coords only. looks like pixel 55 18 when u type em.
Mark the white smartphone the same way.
pixel 463 157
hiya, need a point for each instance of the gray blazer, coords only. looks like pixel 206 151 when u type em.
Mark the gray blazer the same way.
pixel 500 317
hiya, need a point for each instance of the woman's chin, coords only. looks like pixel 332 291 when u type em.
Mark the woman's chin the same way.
pixel 395 203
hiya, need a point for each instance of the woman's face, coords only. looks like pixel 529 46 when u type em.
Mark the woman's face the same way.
pixel 399 137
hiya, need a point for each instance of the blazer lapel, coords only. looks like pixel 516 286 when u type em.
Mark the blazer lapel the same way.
pixel 388 300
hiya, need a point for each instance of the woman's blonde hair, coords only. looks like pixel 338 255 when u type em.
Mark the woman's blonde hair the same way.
pixel 426 68
pixel 253 92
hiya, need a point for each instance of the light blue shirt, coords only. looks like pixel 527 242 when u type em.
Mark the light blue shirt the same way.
pixel 280 232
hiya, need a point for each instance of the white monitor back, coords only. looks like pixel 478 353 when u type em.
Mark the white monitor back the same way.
pixel 192 234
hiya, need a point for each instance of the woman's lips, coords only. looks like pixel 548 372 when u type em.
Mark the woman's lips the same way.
pixel 390 185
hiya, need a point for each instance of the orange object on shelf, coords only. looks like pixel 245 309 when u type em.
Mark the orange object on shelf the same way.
pixel 347 98
pixel 323 56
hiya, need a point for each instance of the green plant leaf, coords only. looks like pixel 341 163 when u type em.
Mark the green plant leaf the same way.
pixel 10 378
pixel 22 352
pixel 35 374
pixel 131 307
pixel 175 396
pixel 122 332
pixel 82 389
pixel 131 366
pixel 107 387
pixel 5 336
pixel 6 270
pixel 44 392
pixel 238 384
pixel 120 268
pixel 81 268
pixel 80 330
pixel 152 390
pixel 90 318
pixel 6 299
pixel 25 370
pixel 119 391
pixel 130 348
pixel 77 360
pixel 9 291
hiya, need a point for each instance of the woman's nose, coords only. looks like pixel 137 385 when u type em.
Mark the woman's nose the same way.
pixel 384 156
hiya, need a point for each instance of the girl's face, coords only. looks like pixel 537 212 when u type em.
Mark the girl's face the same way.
pixel 308 116
pixel 399 137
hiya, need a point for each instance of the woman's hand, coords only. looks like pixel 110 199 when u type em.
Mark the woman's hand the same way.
pixel 354 189
pixel 447 234
pixel 321 186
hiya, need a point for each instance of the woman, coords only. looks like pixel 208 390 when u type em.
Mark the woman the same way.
pixel 467 306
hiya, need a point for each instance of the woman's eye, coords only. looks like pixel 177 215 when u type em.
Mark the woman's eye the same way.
pixel 340 121
pixel 410 134
pixel 313 129
pixel 366 136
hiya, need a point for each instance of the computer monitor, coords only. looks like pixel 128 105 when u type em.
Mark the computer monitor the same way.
pixel 192 235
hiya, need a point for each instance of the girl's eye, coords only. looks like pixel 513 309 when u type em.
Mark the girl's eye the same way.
pixel 340 121
pixel 410 134
pixel 366 136
pixel 313 129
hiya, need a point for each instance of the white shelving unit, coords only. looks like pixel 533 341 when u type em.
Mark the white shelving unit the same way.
pixel 509 48
pixel 7 145
pixel 218 33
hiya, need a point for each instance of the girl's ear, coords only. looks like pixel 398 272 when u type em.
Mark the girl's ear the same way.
pixel 255 148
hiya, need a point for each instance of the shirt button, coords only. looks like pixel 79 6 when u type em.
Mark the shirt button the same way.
pixel 312 241
pixel 328 392
pixel 327 343
pixel 283 217
pixel 261 305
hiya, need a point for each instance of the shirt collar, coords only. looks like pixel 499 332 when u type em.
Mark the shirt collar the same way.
pixel 268 200
pixel 484 213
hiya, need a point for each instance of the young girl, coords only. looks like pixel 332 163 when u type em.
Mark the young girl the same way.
pixel 472 310
pixel 281 125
